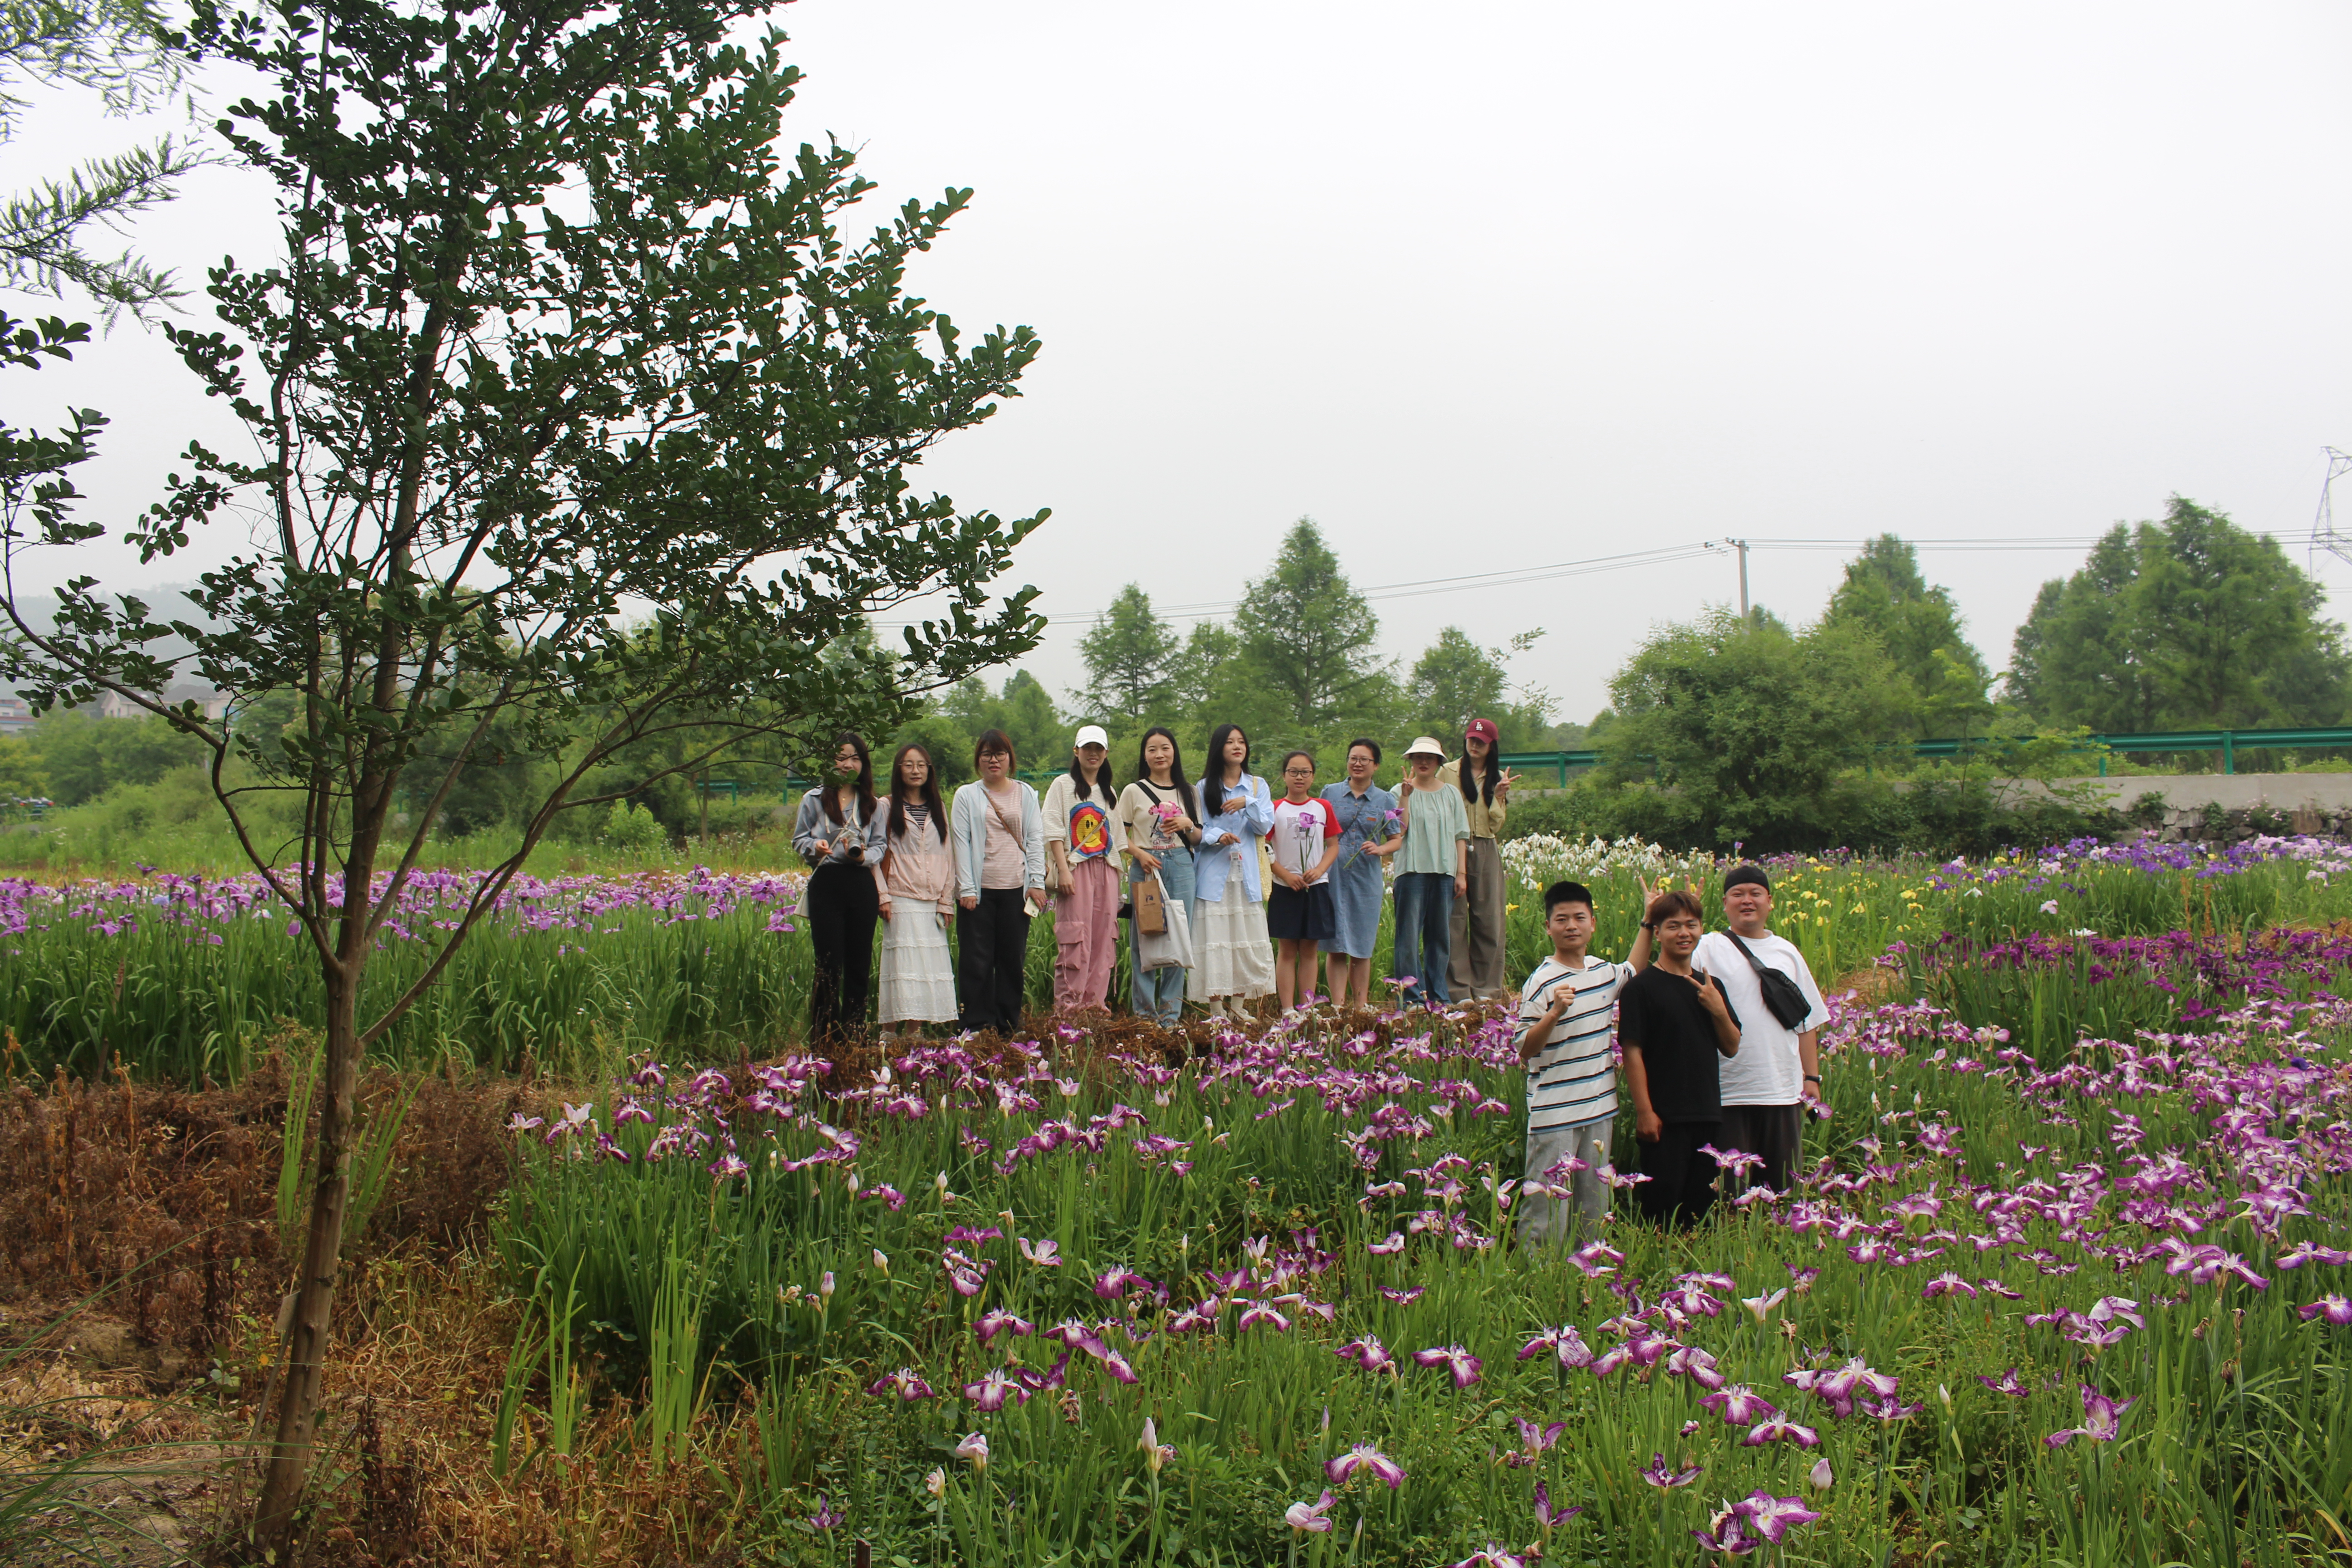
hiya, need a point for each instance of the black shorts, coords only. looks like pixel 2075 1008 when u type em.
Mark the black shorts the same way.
pixel 1301 915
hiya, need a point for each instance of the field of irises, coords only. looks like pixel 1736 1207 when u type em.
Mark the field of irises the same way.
pixel 2062 1281
pixel 180 977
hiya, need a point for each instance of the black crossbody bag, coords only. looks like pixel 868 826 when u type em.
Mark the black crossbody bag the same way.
pixel 1782 999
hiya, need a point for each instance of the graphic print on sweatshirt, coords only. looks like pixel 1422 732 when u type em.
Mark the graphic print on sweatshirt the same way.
pixel 1300 830
pixel 1089 831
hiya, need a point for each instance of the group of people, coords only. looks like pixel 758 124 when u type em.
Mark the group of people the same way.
pixel 1717 1031
pixel 1719 1035
pixel 1248 886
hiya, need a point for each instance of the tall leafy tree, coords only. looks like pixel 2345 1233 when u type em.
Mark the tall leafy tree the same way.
pixel 1131 656
pixel 559 336
pixel 1886 594
pixel 1208 678
pixel 1308 636
pixel 1729 734
pixel 1024 710
pixel 2187 623
pixel 1456 680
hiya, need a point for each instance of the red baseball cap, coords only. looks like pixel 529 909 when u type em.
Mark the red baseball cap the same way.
pixel 1482 730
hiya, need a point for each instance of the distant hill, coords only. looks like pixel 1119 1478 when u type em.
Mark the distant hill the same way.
pixel 165 599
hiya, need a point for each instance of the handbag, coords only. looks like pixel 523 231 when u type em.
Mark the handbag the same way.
pixel 1150 902
pixel 1782 998
pixel 1170 948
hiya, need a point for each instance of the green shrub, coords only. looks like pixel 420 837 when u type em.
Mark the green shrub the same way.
pixel 1565 813
pixel 632 827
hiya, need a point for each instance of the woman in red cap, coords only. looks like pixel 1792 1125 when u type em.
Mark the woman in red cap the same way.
pixel 1477 963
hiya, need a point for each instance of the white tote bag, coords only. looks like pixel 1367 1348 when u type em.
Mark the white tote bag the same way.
pixel 1172 947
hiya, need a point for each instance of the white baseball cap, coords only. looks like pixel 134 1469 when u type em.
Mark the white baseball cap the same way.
pixel 1092 735
pixel 1426 747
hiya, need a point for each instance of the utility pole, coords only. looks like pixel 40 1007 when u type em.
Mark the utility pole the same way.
pixel 1741 545
pixel 2322 527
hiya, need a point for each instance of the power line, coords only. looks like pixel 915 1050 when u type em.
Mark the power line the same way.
pixel 1512 577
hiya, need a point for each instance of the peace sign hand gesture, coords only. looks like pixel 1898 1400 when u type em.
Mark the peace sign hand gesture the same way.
pixel 1709 996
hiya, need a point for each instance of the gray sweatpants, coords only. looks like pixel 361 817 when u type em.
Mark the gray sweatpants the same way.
pixel 1551 1220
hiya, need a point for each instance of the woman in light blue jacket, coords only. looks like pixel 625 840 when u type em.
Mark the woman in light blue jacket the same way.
pixel 1232 958
pixel 1000 855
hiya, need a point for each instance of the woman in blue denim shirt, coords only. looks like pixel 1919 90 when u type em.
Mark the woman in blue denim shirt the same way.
pixel 1232 956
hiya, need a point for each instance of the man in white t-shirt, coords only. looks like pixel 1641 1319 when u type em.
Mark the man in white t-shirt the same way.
pixel 1778 1072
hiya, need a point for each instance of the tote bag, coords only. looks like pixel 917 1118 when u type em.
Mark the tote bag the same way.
pixel 1150 906
pixel 1163 949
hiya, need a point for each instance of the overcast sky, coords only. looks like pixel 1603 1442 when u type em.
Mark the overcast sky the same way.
pixel 1494 286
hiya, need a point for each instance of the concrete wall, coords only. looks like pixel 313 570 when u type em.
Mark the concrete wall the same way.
pixel 2236 792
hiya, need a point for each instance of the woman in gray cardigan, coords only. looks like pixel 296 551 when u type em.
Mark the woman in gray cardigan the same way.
pixel 1000 855
pixel 836 834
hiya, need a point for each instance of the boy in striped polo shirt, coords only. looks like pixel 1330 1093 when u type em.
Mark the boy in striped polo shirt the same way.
pixel 1568 1018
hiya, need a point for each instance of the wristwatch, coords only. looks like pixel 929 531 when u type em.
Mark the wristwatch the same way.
pixel 1812 1078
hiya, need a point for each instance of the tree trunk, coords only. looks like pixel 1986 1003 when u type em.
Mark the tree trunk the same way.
pixel 304 1351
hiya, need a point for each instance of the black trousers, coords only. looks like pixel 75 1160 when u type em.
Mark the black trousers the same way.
pixel 990 967
pixel 1680 1187
pixel 842 909
pixel 1774 1131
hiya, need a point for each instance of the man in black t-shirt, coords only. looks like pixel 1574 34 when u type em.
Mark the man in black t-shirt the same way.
pixel 1674 1024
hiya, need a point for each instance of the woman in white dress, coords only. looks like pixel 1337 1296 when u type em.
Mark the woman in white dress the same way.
pixel 916 885
pixel 1232 960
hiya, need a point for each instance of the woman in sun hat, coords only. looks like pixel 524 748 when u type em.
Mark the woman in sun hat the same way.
pixel 1475 928
pixel 1084 841
pixel 1432 872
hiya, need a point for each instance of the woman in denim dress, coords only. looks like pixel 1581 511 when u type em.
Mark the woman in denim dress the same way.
pixel 1368 834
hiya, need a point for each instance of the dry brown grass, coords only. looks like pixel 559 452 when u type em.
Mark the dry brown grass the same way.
pixel 1874 984
pixel 412 1408
pixel 140 1271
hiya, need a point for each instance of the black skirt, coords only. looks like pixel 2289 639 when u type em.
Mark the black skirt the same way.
pixel 1301 915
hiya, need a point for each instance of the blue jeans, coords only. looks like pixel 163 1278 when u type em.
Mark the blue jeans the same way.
pixel 1424 936
pixel 1159 994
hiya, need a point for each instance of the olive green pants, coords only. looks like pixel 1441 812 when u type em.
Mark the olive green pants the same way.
pixel 1477 924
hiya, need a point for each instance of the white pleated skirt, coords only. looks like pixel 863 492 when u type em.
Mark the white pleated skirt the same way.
pixel 917 976
pixel 1231 955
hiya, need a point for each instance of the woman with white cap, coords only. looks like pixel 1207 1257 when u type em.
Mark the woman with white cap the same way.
pixel 1084 841
pixel 1433 871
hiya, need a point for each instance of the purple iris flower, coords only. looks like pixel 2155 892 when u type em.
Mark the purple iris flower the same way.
pixel 1364 1457
pixel 2102 1419
pixel 1664 1478
pixel 1465 1366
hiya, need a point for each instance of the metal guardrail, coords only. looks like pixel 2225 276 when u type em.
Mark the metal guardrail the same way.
pixel 2226 741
